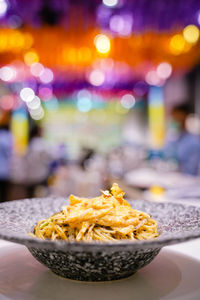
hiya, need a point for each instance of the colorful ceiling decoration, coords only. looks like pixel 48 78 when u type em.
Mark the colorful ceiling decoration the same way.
pixel 58 46
pixel 75 55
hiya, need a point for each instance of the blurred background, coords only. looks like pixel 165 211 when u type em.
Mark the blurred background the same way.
pixel 100 91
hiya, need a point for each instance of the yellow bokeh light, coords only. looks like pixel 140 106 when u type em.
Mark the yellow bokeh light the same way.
pixel 16 40
pixel 3 42
pixel 177 44
pixel 72 55
pixel 191 34
pixel 102 43
pixel 28 40
pixel 84 54
pixel 31 57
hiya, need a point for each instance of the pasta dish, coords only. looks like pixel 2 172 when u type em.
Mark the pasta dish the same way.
pixel 105 218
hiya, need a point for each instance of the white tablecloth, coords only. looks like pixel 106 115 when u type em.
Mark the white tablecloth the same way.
pixel 173 275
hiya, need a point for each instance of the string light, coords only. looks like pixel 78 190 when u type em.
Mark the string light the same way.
pixel 102 43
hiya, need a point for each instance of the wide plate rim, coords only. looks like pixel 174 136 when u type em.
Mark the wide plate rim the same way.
pixel 165 240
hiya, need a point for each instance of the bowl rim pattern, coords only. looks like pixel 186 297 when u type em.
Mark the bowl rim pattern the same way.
pixel 165 239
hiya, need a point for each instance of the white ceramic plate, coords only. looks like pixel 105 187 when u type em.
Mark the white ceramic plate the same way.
pixel 170 276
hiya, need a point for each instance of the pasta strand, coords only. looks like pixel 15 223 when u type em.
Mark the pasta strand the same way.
pixel 108 217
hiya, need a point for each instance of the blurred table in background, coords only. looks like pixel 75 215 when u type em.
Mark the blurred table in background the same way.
pixel 153 185
pixel 146 178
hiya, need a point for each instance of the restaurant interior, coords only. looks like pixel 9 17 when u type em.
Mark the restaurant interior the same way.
pixel 99 92
pixel 99 97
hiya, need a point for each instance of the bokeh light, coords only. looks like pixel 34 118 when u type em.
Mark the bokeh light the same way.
pixel 198 17
pixel 121 24
pixel 8 73
pixel 3 8
pixel 84 104
pixel 7 102
pixel 70 55
pixel 152 78
pixel 97 77
pixel 34 104
pixel 28 40
pixel 36 69
pixel 14 21
pixel 164 70
pixel 110 3
pixel 102 43
pixel 103 14
pixel 31 57
pixel 107 64
pixel 45 92
pixel 116 23
pixel 177 44
pixel 83 94
pixel 37 114
pixel 84 54
pixel 193 124
pixel 27 94
pixel 191 34
pixel 127 101
pixel 47 76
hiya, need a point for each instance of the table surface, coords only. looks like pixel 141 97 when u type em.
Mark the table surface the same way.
pixel 173 275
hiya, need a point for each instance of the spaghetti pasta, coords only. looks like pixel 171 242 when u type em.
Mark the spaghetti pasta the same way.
pixel 105 218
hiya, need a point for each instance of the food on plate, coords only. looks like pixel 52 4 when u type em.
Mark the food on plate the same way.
pixel 108 217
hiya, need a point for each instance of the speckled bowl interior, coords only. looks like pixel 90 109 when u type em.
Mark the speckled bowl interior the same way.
pixel 96 261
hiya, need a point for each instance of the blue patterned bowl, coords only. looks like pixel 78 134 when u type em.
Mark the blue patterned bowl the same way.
pixel 96 261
